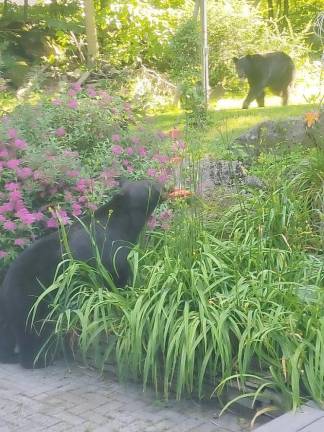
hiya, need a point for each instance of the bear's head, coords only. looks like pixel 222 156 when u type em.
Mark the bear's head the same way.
pixel 242 65
pixel 138 196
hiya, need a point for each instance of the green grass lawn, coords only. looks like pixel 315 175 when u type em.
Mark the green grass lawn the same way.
pixel 226 124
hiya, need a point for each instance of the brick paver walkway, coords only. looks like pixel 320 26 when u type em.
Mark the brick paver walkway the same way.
pixel 59 399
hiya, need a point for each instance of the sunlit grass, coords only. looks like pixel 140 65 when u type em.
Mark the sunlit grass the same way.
pixel 224 125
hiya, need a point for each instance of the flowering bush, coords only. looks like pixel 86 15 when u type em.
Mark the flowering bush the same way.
pixel 44 180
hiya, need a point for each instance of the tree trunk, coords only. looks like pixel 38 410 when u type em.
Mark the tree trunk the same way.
pixel 270 9
pixel 196 10
pixel 25 9
pixel 91 30
pixel 5 8
pixel 286 8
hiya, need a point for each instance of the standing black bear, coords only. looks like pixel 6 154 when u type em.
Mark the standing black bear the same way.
pixel 274 70
pixel 115 228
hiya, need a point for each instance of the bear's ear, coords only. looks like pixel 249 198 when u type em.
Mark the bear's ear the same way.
pixel 114 204
pixel 117 200
pixel 122 181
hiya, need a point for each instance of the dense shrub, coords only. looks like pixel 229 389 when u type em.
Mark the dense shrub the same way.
pixel 62 158
pixel 235 28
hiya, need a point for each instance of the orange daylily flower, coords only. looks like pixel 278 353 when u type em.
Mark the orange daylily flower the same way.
pixel 176 160
pixel 179 193
pixel 311 118
pixel 174 133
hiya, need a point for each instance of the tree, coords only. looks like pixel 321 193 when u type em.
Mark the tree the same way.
pixel 25 9
pixel 91 31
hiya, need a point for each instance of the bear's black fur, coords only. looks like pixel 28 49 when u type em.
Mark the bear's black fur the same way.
pixel 273 70
pixel 115 228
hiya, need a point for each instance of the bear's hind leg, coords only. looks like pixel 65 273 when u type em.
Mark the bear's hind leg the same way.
pixel 285 96
pixel 7 344
pixel 260 99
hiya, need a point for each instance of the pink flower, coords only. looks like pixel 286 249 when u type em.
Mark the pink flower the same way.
pixel 116 138
pixel 129 151
pixel 179 145
pixel 92 92
pixel 56 102
pixel 24 173
pixel 105 96
pixel 151 172
pixel 142 151
pixel 38 216
pixel 72 173
pixel 62 216
pixel 13 163
pixel 52 223
pixel 76 209
pixel 76 87
pixel 72 93
pixel 20 144
pixel 60 132
pixel 130 169
pixel 68 196
pixel 52 191
pixel 3 254
pixel 117 150
pixel 166 215
pixel 127 107
pixel 9 226
pixel 12 186
pixel 161 158
pixel 12 133
pixel 161 135
pixel 135 140
pixel 6 207
pixel 92 206
pixel 25 216
pixel 82 185
pixel 82 199
pixel 152 223
pixel 19 204
pixel 20 241
pixel 163 177
pixel 15 195
pixel 125 162
pixel 4 154
pixel 70 153
pixel 2 218
pixel 73 104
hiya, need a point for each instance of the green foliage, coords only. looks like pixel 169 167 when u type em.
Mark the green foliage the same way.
pixel 134 31
pixel 185 60
pixel 252 35
pixel 213 300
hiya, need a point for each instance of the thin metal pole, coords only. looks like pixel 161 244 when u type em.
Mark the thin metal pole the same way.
pixel 204 34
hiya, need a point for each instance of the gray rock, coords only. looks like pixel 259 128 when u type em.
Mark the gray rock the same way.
pixel 214 175
pixel 282 134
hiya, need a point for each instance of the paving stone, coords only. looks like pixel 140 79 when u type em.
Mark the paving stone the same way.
pixel 77 399
pixel 303 420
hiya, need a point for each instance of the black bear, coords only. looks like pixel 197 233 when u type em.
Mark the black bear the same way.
pixel 274 70
pixel 115 228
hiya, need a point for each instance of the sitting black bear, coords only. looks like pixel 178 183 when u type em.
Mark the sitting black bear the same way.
pixel 115 228
pixel 274 70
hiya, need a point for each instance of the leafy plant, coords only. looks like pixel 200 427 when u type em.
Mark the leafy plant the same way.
pixel 210 302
